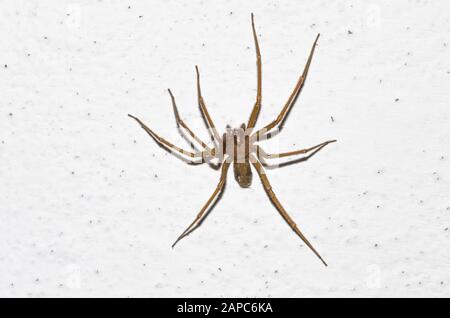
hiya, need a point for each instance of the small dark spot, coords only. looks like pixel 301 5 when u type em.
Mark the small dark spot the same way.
pixel 446 229
pixel 156 176
pixel 140 16
pixel 397 99
pixel 220 269
pixel 332 118
pixel 10 114
pixel 375 245
pixel 349 32
pixel 72 172
pixel 6 65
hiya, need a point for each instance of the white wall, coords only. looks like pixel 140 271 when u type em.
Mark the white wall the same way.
pixel 82 212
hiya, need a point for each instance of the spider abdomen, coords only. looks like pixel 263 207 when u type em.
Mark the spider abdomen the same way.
pixel 243 173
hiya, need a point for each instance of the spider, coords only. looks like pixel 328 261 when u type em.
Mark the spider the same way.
pixel 237 146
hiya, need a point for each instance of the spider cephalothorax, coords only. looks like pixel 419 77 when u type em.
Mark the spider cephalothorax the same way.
pixel 238 146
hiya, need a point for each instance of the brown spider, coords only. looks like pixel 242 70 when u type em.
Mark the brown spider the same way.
pixel 238 146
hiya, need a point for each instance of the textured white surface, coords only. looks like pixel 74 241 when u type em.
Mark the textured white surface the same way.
pixel 89 204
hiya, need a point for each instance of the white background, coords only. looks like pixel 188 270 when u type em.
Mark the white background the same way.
pixel 90 205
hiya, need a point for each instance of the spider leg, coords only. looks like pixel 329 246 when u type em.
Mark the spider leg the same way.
pixel 257 107
pixel 280 208
pixel 291 153
pixel 286 163
pixel 164 143
pixel 209 122
pixel 293 97
pixel 181 123
pixel 207 204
